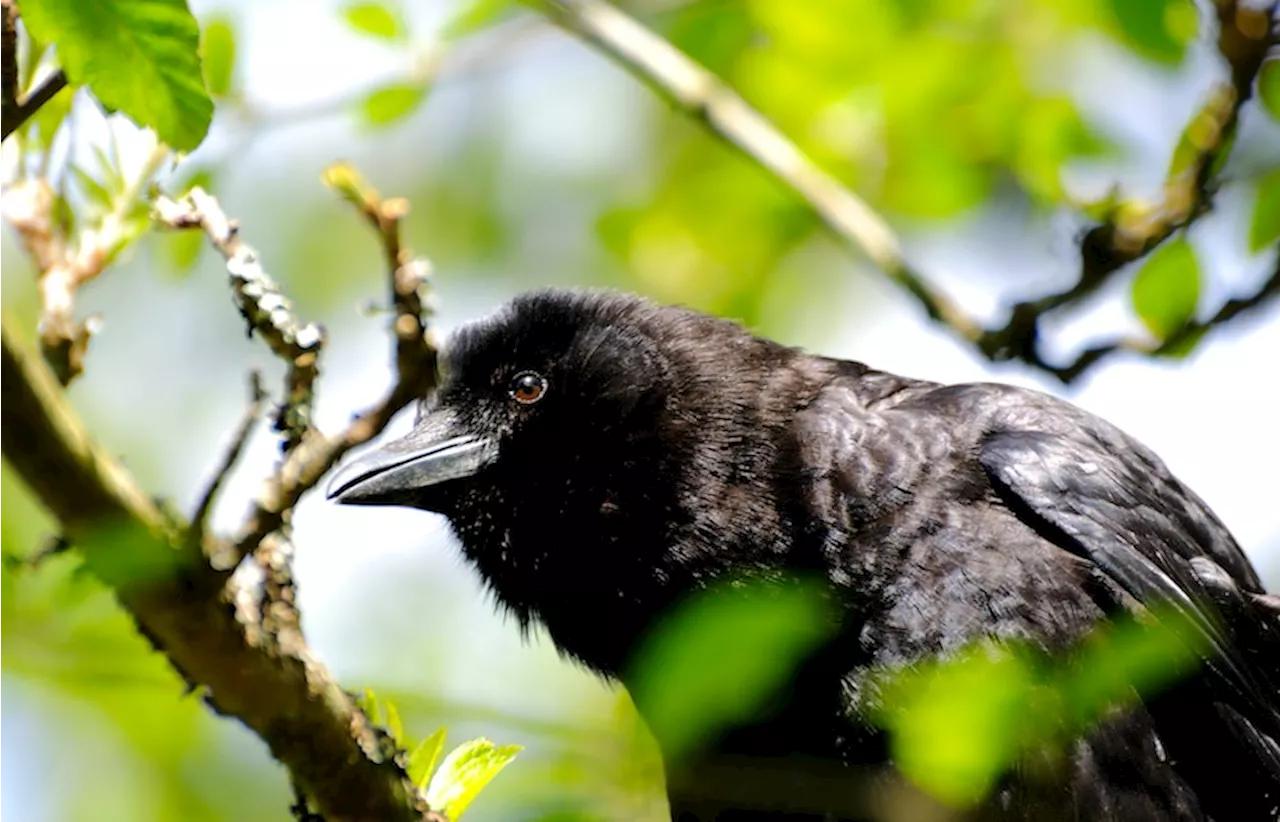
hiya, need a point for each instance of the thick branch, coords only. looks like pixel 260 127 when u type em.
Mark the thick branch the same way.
pixel 702 95
pixel 1243 42
pixel 270 680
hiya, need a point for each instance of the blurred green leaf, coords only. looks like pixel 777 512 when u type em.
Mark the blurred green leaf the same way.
pixel 476 15
pixel 1166 289
pixel 376 20
pixel 126 553
pixel 464 773
pixel 139 58
pixel 109 172
pixel 1157 29
pixel 368 703
pixel 96 194
pixel 723 656
pixel 392 103
pixel 1264 224
pixel 956 725
pixel 423 758
pixel 218 47
pixel 1269 87
pixel 395 725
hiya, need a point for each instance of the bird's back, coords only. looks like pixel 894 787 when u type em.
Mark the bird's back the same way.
pixel 954 514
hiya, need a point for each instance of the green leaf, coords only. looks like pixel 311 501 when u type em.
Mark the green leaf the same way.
pixel 109 171
pixel 140 57
pixel 375 20
pixel 1264 226
pixel 721 657
pixel 369 704
pixel 392 103
pixel 422 760
pixel 395 725
pixel 218 48
pixel 1166 289
pixel 956 726
pixel 464 773
pixel 95 192
pixel 1157 29
pixel 475 16
pixel 1269 87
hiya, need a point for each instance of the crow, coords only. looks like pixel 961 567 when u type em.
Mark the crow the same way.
pixel 601 458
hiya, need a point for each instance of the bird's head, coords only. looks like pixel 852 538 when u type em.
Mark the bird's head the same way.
pixel 555 383
pixel 579 438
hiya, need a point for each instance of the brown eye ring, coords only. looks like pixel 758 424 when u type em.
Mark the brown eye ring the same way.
pixel 527 387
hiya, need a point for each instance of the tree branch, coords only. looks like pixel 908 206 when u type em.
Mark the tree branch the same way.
pixel 1125 237
pixel 199 520
pixel 704 97
pixel 62 268
pixel 268 679
pixel 25 110
pixel 264 307
pixel 267 311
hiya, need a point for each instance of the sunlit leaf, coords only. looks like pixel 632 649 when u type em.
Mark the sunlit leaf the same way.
pixel 369 704
pixel 395 725
pixel 1157 29
pixel 476 15
pixel 722 656
pixel 957 725
pixel 109 172
pixel 1269 87
pixel 218 47
pixel 423 758
pixel 1264 224
pixel 392 103
pixel 1166 289
pixel 375 20
pixel 464 773
pixel 94 191
pixel 142 59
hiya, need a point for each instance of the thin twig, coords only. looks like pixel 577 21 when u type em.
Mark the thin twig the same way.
pixel 1176 342
pixel 415 361
pixel 62 268
pixel 199 519
pixel 264 307
pixel 33 102
pixel 415 352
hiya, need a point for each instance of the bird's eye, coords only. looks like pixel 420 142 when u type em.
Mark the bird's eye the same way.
pixel 527 387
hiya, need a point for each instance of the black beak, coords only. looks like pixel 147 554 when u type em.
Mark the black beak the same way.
pixel 435 452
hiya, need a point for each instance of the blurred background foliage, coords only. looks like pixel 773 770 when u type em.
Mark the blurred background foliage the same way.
pixel 531 161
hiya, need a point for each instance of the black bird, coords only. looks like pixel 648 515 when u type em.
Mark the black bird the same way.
pixel 600 458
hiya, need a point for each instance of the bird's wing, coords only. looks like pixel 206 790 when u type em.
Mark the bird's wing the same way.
pixel 1098 494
